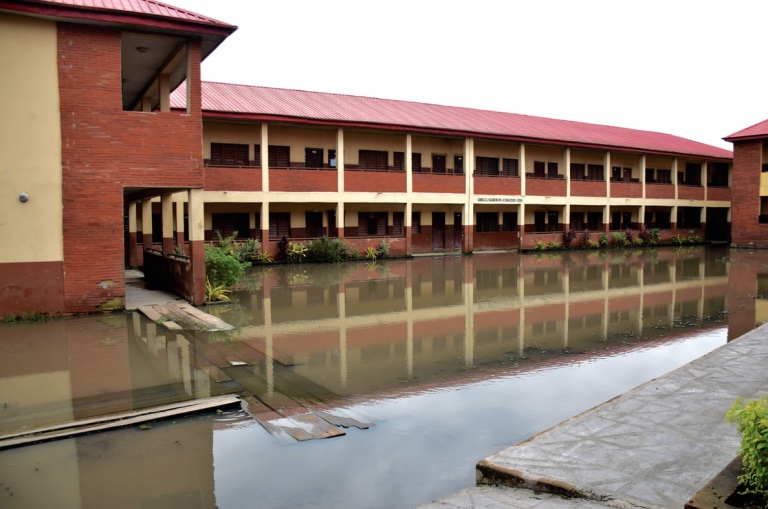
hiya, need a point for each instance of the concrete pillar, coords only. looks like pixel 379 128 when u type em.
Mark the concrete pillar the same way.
pixel 164 85
pixel 408 165
pixel 196 275
pixel 340 161
pixel 264 226
pixel 608 170
pixel 133 249
pixel 180 223
pixel 146 222
pixel 264 157
pixel 468 217
pixel 166 203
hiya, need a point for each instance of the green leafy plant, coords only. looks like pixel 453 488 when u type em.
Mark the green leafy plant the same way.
pixel 384 248
pixel 620 239
pixel 262 257
pixel 328 250
pixel 223 265
pixel 751 416
pixel 585 237
pixel 540 246
pixel 695 239
pixel 678 239
pixel 568 236
pixel 215 293
pixel 249 250
pixel 296 252
pixel 371 253
pixel 638 241
pixel 553 244
pixel 593 244
pixel 603 240
pixel 179 251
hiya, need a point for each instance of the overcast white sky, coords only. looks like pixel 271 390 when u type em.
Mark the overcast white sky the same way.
pixel 693 68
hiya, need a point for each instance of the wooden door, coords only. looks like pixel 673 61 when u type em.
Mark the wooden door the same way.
pixel 438 230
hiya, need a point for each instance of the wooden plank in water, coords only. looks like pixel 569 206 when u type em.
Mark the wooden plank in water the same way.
pixel 216 322
pixel 260 346
pixel 113 421
pixel 344 422
pixel 168 324
pixel 151 313
pixel 314 426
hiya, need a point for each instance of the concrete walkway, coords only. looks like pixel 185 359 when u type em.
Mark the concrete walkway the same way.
pixel 137 295
pixel 652 447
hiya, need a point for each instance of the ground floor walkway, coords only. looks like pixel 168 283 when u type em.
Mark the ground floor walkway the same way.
pixel 652 447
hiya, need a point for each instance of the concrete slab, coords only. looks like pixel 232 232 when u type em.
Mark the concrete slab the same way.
pixel 652 447
pixel 136 294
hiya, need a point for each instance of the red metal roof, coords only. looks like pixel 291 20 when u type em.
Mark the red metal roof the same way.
pixel 94 9
pixel 759 130
pixel 222 99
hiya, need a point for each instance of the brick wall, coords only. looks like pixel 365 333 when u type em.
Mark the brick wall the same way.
pixel 546 187
pixel 232 179
pixel 493 185
pixel 745 206
pixel 436 183
pixel 105 149
pixel 587 188
pixel 302 181
pixel 374 182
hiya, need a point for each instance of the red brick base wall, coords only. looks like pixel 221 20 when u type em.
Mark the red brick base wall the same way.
pixel 31 287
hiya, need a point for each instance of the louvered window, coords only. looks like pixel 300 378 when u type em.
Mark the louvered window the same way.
pixel 398 223
pixel 594 220
pixel 371 223
pixel 279 224
pixel 229 223
pixel 552 170
pixel 399 161
pixel 649 175
pixel 509 168
pixel 257 156
pixel 229 154
pixel 487 222
pixel 416 162
pixel 509 222
pixel 577 221
pixel 314 222
pixel 596 172
pixel 279 156
pixel 486 166
pixel 415 222
pixel 578 171
pixel 664 176
pixel 539 168
pixel 373 160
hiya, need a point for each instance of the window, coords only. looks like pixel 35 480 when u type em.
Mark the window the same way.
pixel 332 157
pixel 649 175
pixel 415 222
pixel 577 221
pixel 373 160
pixel 596 172
pixel 416 162
pixel 399 161
pixel 229 154
pixel 594 220
pixel 578 171
pixel 279 224
pixel 398 223
pixel 314 224
pixel 438 163
pixel 509 221
pixel 648 219
pixel 458 164
pixel 487 222
pixel 663 219
pixel 371 223
pixel 279 156
pixel 313 157
pixel 538 169
pixel 486 166
pixel 551 170
pixel 509 168
pixel 764 168
pixel 228 224
pixel 664 176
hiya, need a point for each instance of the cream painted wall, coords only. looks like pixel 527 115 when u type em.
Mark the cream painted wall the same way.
pixel 215 132
pixel 30 142
pixel 426 146
pixel 499 150
pixel 657 162
pixel 354 142
pixel 627 161
pixel 547 154
pixel 299 139
pixel 589 156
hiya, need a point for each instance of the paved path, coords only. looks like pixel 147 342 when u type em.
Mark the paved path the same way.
pixel 652 447
pixel 136 294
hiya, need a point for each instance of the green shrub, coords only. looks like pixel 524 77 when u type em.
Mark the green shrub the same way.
pixel 384 248
pixel 540 246
pixel 638 241
pixel 679 239
pixel 327 250
pixel 654 236
pixel 249 251
pixel 296 252
pixel 695 239
pixel 223 265
pixel 593 244
pixel 620 239
pixel 371 253
pixel 752 419
pixel 603 240
pixel 554 245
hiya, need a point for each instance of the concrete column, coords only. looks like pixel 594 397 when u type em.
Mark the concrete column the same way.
pixel 674 176
pixel 607 166
pixel 264 157
pixel 196 283
pixel 522 169
pixel 468 217
pixel 340 219
pixel 408 220
pixel 133 249
pixel 146 222
pixel 146 104
pixel 567 163
pixel 264 226
pixel 166 203
pixel 520 224
pixel 164 85
pixel 180 223
pixel 408 164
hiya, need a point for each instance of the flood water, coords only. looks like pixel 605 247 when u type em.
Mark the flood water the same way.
pixel 451 358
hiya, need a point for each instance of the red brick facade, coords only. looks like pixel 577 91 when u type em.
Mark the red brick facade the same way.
pixel 105 149
pixel 745 207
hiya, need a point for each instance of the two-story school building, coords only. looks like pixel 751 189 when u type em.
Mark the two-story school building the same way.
pixel 114 153
pixel 434 179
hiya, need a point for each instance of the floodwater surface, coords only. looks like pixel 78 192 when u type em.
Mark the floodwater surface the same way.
pixel 450 358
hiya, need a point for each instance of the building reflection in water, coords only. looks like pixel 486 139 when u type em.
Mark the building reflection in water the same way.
pixel 356 331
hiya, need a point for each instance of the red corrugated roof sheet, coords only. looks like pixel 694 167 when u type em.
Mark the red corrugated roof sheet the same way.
pixel 264 102
pixel 141 7
pixel 759 130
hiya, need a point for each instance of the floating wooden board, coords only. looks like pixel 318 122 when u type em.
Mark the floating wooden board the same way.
pixel 344 422
pixel 113 421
